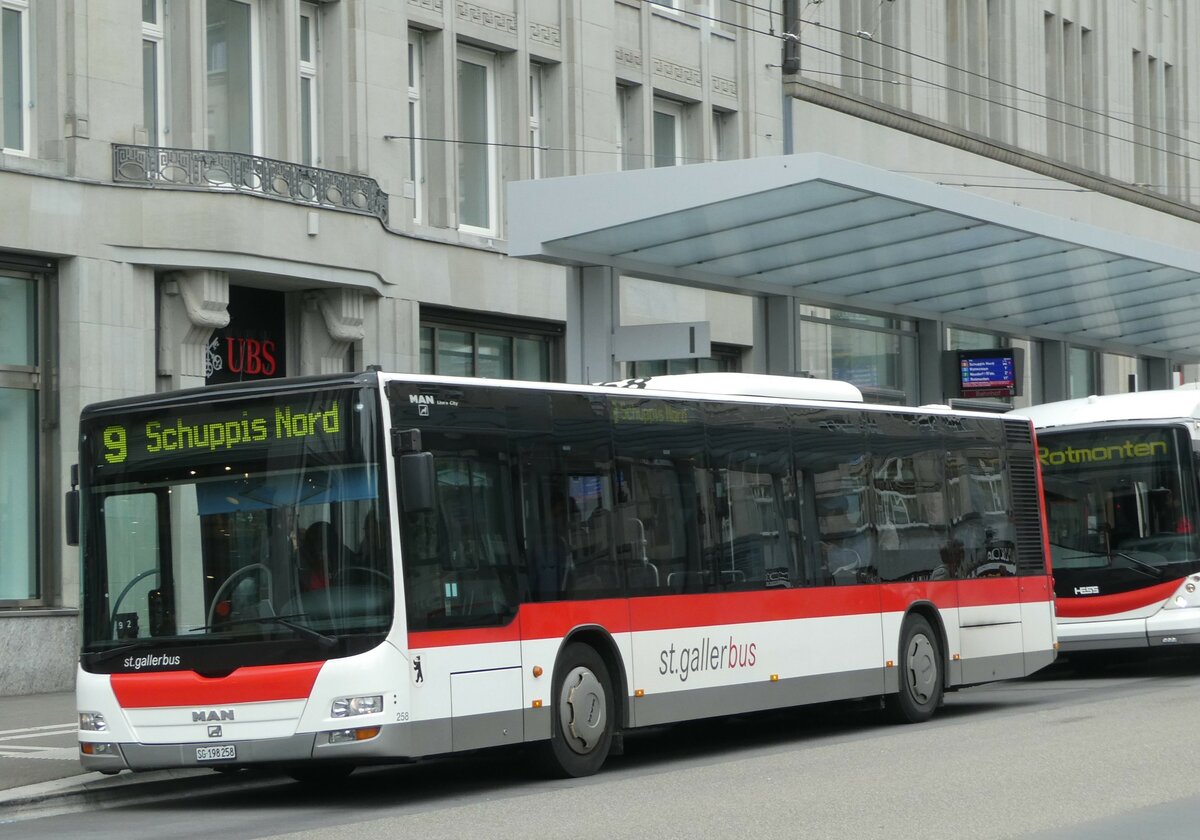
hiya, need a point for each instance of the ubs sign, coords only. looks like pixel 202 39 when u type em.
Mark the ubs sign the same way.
pixel 251 346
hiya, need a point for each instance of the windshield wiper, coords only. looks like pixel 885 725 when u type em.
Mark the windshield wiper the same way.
pixel 1138 565
pixel 105 655
pixel 285 621
pixel 1141 565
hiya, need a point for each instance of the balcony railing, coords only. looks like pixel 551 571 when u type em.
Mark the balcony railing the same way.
pixel 197 169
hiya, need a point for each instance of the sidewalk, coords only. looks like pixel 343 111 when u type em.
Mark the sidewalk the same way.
pixel 39 760
pixel 38 741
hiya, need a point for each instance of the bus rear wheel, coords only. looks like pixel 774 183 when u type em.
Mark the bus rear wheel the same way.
pixel 921 676
pixel 582 716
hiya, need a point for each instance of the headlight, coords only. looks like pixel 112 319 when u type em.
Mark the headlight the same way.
pixel 351 706
pixel 92 722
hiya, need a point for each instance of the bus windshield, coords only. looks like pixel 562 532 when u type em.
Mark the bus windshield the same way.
pixel 1120 498
pixel 255 527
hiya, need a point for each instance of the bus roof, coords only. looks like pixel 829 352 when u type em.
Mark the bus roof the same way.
pixel 748 385
pixel 1141 405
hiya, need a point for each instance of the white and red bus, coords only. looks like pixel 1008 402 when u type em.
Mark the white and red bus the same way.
pixel 329 572
pixel 1123 516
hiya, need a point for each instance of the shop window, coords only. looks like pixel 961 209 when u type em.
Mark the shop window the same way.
pixel 876 353
pixel 722 360
pixel 1082 373
pixel 22 413
pixel 517 351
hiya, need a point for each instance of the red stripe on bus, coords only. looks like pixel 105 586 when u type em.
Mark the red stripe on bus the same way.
pixel 667 612
pixel 187 688
pixel 1093 606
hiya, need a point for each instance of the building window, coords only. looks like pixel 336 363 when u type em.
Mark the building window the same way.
pixel 724 135
pixel 876 353
pixel 233 108
pixel 416 122
pixel 1072 93
pixel 21 578
pixel 14 75
pixel 536 153
pixel 455 347
pixel 153 64
pixel 477 169
pixel 723 14
pixel 1157 149
pixel 722 360
pixel 628 141
pixel 668 133
pixel 309 115
pixel 1082 373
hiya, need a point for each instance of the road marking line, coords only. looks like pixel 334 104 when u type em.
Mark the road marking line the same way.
pixel 44 753
pixel 40 732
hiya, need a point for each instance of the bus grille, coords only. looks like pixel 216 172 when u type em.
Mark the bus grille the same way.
pixel 1026 505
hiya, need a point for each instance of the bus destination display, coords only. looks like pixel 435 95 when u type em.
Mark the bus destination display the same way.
pixel 310 423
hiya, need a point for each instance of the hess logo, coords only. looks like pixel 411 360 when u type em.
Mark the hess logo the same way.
pixel 1087 590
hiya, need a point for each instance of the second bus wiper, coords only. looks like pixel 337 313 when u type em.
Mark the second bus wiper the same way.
pixel 1141 565
pixel 285 621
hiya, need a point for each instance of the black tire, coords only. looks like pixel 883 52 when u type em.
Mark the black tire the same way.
pixel 582 714
pixel 922 677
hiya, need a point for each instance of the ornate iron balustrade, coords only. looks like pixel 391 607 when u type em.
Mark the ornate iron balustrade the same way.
pixel 235 172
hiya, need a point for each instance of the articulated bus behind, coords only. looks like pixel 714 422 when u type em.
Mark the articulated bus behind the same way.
pixel 323 573
pixel 1123 514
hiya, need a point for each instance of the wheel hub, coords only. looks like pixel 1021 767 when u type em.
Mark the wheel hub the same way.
pixel 582 710
pixel 922 668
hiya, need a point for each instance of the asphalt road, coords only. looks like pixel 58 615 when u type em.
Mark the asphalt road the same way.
pixel 1063 756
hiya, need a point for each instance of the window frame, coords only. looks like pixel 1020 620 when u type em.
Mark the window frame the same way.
pixel 547 334
pixel 416 121
pixel 487 61
pixel 308 70
pixel 537 162
pixel 22 8
pixel 677 111
pixel 154 34
pixel 46 525
pixel 256 76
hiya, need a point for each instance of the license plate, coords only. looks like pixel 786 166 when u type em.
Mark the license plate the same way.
pixel 217 752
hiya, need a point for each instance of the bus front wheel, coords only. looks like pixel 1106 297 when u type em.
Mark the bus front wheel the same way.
pixel 582 717
pixel 921 676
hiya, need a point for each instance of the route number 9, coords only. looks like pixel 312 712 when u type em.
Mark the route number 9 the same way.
pixel 116 444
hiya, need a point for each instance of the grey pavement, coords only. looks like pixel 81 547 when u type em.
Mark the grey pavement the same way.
pixel 38 739
pixel 39 762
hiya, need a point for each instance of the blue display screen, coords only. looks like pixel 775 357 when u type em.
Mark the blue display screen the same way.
pixel 987 374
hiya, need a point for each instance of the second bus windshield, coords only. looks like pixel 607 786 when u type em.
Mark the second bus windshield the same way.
pixel 1119 497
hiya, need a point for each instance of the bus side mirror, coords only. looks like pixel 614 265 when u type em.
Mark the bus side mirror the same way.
pixel 414 469
pixel 71 508
pixel 416 482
